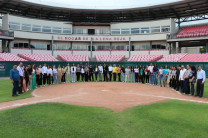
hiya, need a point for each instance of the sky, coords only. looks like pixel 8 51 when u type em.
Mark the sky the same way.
pixel 102 4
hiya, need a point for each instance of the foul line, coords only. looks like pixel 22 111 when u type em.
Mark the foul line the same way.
pixel 172 98
pixel 40 101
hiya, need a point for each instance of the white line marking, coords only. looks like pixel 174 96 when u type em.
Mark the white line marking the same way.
pixel 43 100
pixel 173 98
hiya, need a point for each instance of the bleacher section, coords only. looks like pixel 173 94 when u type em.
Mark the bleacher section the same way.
pixel 68 57
pixel 195 58
pixel 109 58
pixel 193 31
pixel 144 58
pixel 38 57
pixel 10 57
pixel 173 57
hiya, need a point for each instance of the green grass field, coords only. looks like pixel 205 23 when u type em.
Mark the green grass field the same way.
pixel 6 92
pixel 45 120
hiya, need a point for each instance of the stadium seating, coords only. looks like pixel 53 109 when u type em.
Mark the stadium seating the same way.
pixel 193 31
pixel 195 58
pixel 109 58
pixel 10 57
pixel 173 57
pixel 68 57
pixel 144 58
pixel 38 57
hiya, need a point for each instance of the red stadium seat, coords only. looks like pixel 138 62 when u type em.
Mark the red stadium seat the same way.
pixel 10 57
pixel 109 58
pixel 144 58
pixel 38 57
pixel 195 31
pixel 68 57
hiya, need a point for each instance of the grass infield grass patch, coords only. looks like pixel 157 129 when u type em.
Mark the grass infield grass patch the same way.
pixel 166 119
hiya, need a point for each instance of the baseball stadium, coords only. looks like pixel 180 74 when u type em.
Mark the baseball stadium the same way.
pixel 103 68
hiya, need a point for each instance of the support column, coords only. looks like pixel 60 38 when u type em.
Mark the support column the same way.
pixel 207 46
pixel 170 48
pixel 29 43
pixel 110 48
pixel 8 46
pixel 129 47
pixel 52 41
pixel 71 47
pixel 1 47
pixel 178 48
pixel 173 50
pixel 91 48
pixel 150 47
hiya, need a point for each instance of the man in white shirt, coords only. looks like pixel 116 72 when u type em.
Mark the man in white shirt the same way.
pixel 73 72
pixel 150 68
pixel 21 74
pixel 181 79
pixel 100 70
pixel 201 77
pixel 49 75
pixel 110 69
pixel 44 72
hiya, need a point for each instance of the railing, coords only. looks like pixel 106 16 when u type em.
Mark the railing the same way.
pixel 6 33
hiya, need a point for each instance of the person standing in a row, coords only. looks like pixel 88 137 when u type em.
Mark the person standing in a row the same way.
pixel 96 73
pixel 127 73
pixel 141 74
pixel 147 72
pixel 86 70
pixel 15 77
pixel 181 79
pixel 59 74
pixel 78 72
pixel 123 73
pixel 186 80
pixel 21 74
pixel 155 74
pixel 150 69
pixel 38 78
pixel 44 71
pixel 110 69
pixel 34 77
pixel 68 70
pixel 136 70
pixel 105 72
pixel 201 77
pixel 82 73
pixel 55 75
pixel 91 71
pixel 114 72
pixel 100 68
pixel 177 78
pixel 119 73
pixel 192 79
pixel 73 72
pixel 132 74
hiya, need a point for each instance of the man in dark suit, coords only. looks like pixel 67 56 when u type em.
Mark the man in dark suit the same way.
pixel 105 72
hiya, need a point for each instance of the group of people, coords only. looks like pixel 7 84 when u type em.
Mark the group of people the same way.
pixel 29 77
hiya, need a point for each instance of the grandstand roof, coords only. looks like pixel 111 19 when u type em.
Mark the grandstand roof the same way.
pixel 184 8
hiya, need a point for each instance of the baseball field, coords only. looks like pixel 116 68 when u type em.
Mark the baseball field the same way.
pixel 164 117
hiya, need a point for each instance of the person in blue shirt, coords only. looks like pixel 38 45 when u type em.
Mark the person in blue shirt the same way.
pixel 165 75
pixel 15 78
pixel 201 77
